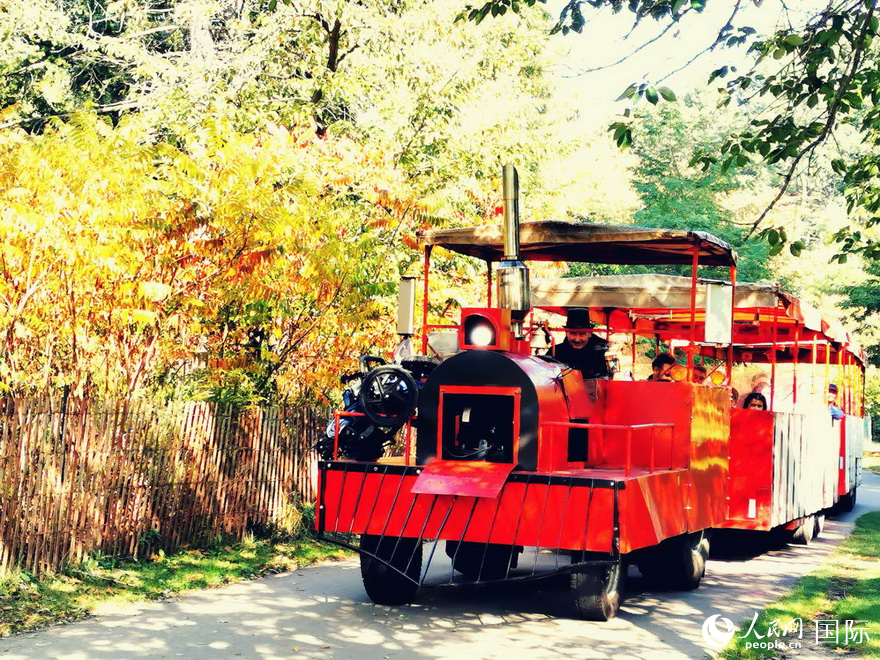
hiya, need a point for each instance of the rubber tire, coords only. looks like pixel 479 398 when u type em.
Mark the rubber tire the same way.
pixel 688 565
pixel 678 563
pixel 803 533
pixel 495 560
pixel 597 591
pixel 385 585
pixel 819 525
pixel 847 502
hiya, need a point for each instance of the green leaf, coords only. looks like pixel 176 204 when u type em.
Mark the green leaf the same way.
pixel 773 236
pixel 651 95
pixel 628 93
pixel 794 40
pixel 273 4
pixel 677 5
pixel 667 93
pixel 778 54
pixel 796 248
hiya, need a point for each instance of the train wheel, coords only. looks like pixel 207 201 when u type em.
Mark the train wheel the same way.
pixel 398 583
pixel 598 590
pixel 687 555
pixel 819 525
pixel 476 561
pixel 803 533
pixel 847 502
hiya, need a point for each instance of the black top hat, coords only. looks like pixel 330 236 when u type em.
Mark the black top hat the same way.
pixel 578 319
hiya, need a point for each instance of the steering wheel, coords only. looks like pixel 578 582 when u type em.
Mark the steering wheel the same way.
pixel 389 396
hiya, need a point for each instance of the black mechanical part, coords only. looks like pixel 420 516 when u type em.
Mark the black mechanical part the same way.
pixel 391 575
pixel 359 440
pixel 420 366
pixel 389 396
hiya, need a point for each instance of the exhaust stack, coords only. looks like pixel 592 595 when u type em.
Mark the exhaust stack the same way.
pixel 512 274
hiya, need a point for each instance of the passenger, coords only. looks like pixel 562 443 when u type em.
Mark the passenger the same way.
pixel 833 408
pixel 755 401
pixel 661 366
pixel 700 374
pixel 581 349
pixel 734 397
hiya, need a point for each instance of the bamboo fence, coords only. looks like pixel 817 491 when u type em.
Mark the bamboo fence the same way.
pixel 126 478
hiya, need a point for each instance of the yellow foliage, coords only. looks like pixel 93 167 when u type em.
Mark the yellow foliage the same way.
pixel 269 252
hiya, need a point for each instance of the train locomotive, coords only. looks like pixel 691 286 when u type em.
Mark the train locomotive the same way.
pixel 516 466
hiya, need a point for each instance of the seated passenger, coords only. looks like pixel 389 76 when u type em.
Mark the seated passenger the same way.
pixel 833 408
pixel 661 366
pixel 700 374
pixel 755 401
pixel 581 349
pixel 734 397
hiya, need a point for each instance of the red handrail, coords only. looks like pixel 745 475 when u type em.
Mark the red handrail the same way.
pixel 629 428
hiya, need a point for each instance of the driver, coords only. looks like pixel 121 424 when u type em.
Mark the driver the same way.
pixel 582 350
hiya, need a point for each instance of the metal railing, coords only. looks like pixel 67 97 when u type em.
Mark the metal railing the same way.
pixel 628 428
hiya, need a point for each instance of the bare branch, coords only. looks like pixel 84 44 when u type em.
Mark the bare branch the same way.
pixel 718 39
pixel 858 52
pixel 628 55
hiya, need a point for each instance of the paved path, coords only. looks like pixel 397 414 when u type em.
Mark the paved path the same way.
pixel 322 612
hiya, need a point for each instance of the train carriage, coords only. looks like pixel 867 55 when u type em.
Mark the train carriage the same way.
pixel 789 464
pixel 514 465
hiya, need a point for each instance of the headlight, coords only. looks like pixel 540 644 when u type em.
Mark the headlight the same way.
pixel 479 331
pixel 482 335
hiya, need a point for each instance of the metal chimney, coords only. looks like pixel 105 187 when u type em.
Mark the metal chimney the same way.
pixel 512 274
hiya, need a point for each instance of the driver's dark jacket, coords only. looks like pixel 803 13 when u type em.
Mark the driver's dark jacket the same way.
pixel 589 360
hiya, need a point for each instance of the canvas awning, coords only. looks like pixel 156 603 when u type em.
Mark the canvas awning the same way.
pixel 651 293
pixel 562 240
pixel 640 292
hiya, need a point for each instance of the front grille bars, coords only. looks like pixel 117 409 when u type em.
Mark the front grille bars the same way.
pixel 426 521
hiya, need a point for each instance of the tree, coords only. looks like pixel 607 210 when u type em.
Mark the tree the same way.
pixel 814 78
pixel 238 228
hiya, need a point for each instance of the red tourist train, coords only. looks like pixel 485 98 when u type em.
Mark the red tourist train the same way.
pixel 514 466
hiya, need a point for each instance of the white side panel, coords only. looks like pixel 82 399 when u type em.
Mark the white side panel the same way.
pixel 805 450
pixel 857 431
pixel 719 311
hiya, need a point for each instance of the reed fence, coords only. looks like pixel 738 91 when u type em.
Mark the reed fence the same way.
pixel 127 478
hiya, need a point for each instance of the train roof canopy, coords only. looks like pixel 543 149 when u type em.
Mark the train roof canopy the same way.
pixel 647 291
pixel 562 240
